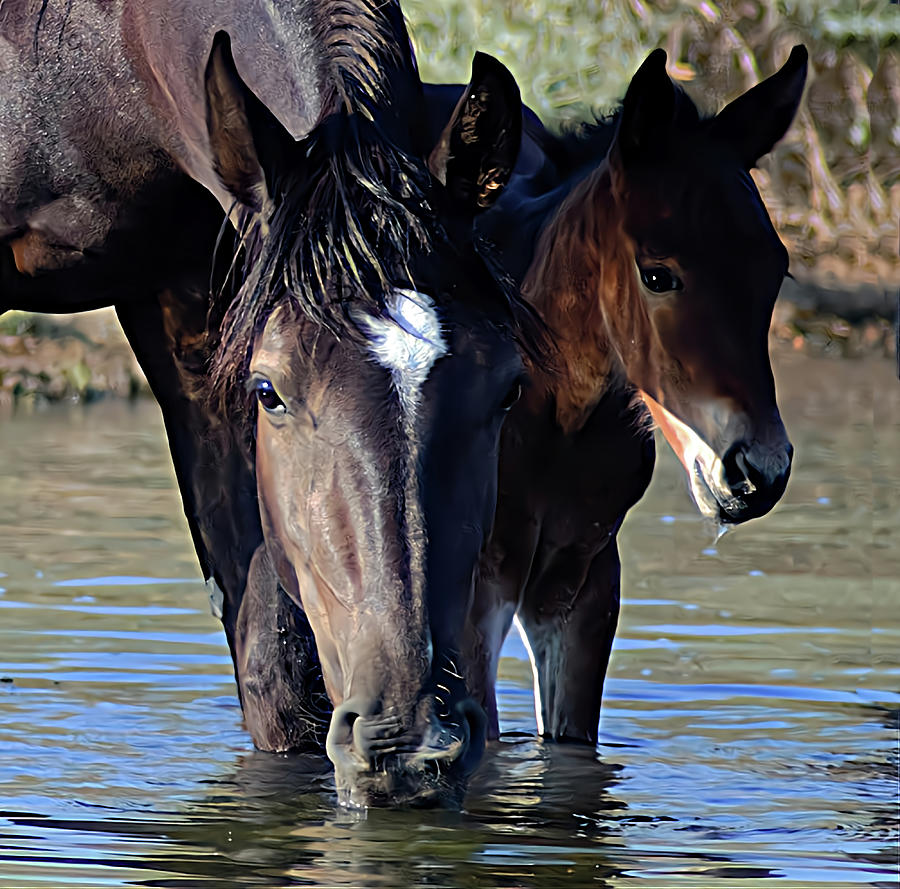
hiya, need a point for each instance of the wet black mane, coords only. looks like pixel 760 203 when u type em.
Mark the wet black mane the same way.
pixel 349 216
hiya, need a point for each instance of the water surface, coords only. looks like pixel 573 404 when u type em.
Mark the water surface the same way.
pixel 750 730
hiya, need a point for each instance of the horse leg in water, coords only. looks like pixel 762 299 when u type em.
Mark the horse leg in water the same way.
pixel 570 629
pixel 169 337
pixel 489 622
pixel 279 677
pixel 500 579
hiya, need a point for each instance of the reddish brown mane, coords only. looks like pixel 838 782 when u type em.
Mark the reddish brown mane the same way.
pixel 582 283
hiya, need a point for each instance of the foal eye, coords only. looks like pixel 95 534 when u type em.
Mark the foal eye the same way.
pixel 511 397
pixel 268 397
pixel 660 280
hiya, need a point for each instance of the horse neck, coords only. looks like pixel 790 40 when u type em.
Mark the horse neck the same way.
pixel 584 286
pixel 370 66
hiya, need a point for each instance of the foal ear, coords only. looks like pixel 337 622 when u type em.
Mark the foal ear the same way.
pixel 478 148
pixel 249 145
pixel 648 110
pixel 754 122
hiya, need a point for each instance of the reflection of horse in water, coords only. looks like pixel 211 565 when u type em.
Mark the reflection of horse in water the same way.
pixel 356 280
pixel 274 820
pixel 656 270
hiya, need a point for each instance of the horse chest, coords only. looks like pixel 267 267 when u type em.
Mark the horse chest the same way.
pixel 563 495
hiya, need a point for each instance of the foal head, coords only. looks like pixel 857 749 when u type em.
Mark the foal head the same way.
pixel 375 356
pixel 688 266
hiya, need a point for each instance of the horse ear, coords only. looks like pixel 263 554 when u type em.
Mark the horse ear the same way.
pixel 249 145
pixel 647 110
pixel 478 149
pixel 755 121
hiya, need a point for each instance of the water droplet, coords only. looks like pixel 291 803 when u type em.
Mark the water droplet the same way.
pixel 756 573
pixel 38 574
pixel 824 501
pixel 721 530
pixel 646 672
pixel 667 519
pixel 710 551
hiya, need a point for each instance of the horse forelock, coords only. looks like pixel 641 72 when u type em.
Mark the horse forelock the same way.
pixel 345 222
pixel 348 224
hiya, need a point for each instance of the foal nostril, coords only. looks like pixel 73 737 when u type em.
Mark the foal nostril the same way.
pixel 741 475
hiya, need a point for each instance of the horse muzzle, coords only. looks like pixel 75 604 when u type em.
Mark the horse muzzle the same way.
pixel 379 762
pixel 744 475
pixel 756 477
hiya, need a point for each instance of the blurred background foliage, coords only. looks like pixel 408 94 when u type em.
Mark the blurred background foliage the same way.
pixel 832 185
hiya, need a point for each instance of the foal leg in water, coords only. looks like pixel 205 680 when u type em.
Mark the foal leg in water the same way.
pixel 570 636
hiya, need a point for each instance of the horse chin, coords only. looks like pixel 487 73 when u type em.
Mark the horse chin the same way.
pixel 405 788
pixel 726 511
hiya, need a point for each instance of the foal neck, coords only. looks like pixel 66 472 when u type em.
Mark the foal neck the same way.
pixel 583 284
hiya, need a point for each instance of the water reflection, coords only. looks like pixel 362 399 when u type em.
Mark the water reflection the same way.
pixel 750 728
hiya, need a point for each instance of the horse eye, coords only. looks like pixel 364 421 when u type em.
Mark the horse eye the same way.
pixel 660 280
pixel 511 397
pixel 268 397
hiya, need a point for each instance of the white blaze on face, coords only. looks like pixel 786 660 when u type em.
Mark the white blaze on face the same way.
pixel 407 343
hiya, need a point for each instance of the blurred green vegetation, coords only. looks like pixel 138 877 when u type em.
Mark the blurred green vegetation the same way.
pixel 832 185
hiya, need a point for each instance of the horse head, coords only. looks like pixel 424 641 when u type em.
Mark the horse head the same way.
pixel 373 355
pixel 701 267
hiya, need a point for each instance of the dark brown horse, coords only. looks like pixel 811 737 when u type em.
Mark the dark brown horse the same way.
pixel 358 313
pixel 382 356
pixel 656 270
pixel 109 196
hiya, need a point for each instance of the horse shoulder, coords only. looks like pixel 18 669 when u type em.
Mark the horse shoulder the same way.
pixel 102 101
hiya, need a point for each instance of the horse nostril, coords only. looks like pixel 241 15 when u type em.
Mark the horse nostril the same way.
pixel 342 721
pixel 742 477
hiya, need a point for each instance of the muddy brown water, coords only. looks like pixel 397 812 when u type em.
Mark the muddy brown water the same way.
pixel 750 730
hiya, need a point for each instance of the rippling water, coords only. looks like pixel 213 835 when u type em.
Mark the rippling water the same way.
pixel 750 729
